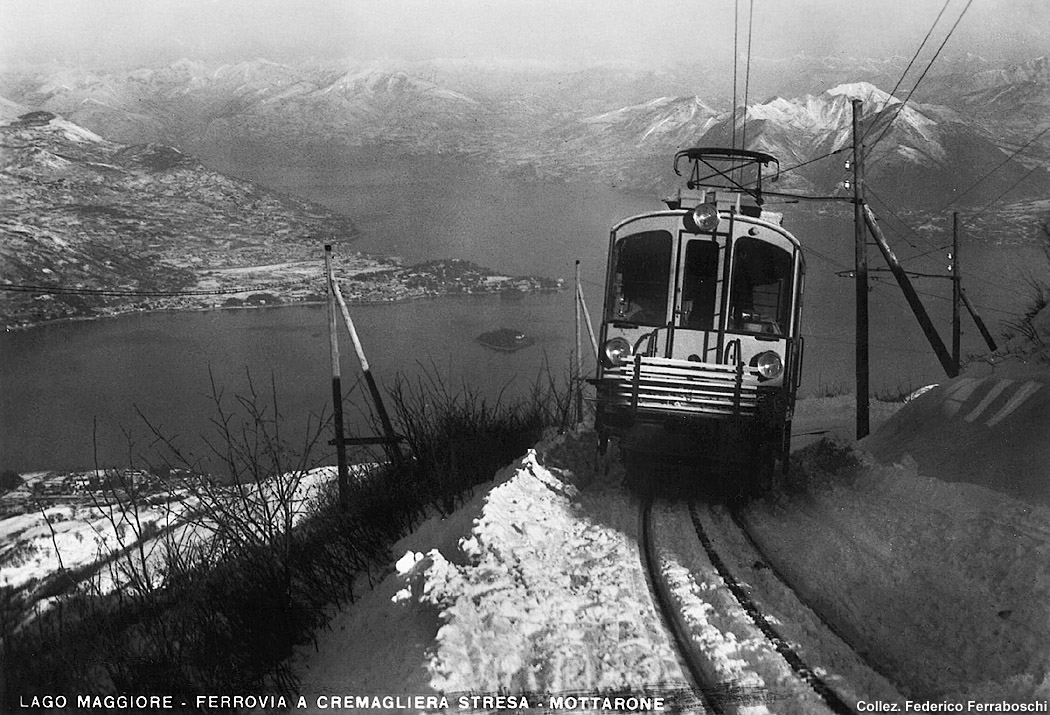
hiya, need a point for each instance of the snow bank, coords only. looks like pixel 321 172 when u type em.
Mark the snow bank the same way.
pixel 551 597
pixel 946 586
pixel 989 431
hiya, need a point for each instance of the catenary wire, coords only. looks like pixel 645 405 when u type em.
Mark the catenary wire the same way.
pixel 900 108
pixel 907 69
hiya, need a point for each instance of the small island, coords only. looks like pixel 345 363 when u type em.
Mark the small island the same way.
pixel 506 340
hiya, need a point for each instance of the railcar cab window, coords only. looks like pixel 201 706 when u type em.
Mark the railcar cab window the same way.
pixel 700 284
pixel 760 295
pixel 640 285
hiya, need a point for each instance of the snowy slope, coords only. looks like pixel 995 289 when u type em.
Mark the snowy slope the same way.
pixel 535 588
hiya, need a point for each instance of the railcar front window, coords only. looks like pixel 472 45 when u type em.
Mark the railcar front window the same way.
pixel 700 284
pixel 640 282
pixel 760 297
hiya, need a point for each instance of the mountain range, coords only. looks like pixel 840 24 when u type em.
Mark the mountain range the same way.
pixel 103 187
pixel 606 124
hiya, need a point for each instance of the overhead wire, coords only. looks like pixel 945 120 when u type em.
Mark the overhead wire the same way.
pixel 747 72
pixel 1004 286
pixel 736 23
pixel 944 298
pixel 901 106
pixel 995 169
pixel 1004 193
pixel 907 69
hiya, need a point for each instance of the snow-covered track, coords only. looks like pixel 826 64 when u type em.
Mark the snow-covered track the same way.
pixel 782 646
pixel 711 695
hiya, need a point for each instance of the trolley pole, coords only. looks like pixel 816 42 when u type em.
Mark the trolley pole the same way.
pixel 956 295
pixel 579 355
pixel 337 388
pixel 861 274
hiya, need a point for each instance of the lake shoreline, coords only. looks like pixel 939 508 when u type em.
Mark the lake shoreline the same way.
pixel 275 306
pixel 377 286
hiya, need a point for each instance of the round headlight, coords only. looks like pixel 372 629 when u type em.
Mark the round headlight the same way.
pixel 616 352
pixel 769 365
pixel 704 218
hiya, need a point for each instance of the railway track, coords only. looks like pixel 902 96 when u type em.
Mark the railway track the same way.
pixel 721 689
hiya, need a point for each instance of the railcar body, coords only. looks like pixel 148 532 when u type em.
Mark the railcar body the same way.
pixel 700 333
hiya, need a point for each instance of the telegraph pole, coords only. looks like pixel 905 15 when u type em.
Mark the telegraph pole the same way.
pixel 579 355
pixel 956 294
pixel 861 274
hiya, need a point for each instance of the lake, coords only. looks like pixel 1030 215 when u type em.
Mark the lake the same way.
pixel 68 390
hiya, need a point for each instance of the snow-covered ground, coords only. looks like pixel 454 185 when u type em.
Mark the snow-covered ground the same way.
pixel 130 540
pixel 536 588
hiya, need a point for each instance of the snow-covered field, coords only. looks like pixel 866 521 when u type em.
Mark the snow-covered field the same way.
pixel 128 539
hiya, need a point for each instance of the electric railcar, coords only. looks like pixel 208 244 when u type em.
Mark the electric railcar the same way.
pixel 700 332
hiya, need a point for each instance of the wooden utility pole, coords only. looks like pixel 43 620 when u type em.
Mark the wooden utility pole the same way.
pixel 579 354
pixel 860 241
pixel 956 297
pixel 337 387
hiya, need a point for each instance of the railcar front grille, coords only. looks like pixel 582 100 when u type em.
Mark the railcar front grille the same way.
pixel 679 386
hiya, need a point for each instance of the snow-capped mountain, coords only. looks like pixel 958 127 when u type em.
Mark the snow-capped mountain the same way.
pixel 1013 102
pixel 618 124
pixel 193 105
pixel 916 153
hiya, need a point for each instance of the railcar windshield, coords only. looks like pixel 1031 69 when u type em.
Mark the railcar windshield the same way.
pixel 760 295
pixel 700 284
pixel 641 276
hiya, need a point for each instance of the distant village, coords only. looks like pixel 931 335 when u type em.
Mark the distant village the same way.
pixel 66 485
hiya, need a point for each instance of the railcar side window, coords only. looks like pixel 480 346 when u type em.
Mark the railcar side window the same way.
pixel 640 285
pixel 760 297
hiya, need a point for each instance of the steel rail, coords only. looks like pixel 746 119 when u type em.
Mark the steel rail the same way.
pixel 711 697
pixel 790 655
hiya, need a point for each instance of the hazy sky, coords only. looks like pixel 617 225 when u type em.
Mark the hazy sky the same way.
pixel 573 31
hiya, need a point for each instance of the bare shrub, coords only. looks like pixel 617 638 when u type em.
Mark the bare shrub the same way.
pixel 245 566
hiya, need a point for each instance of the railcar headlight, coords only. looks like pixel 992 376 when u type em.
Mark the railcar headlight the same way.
pixel 704 218
pixel 769 365
pixel 616 352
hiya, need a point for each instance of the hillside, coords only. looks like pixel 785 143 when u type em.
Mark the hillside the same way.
pixel 87 214
pixel 91 227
